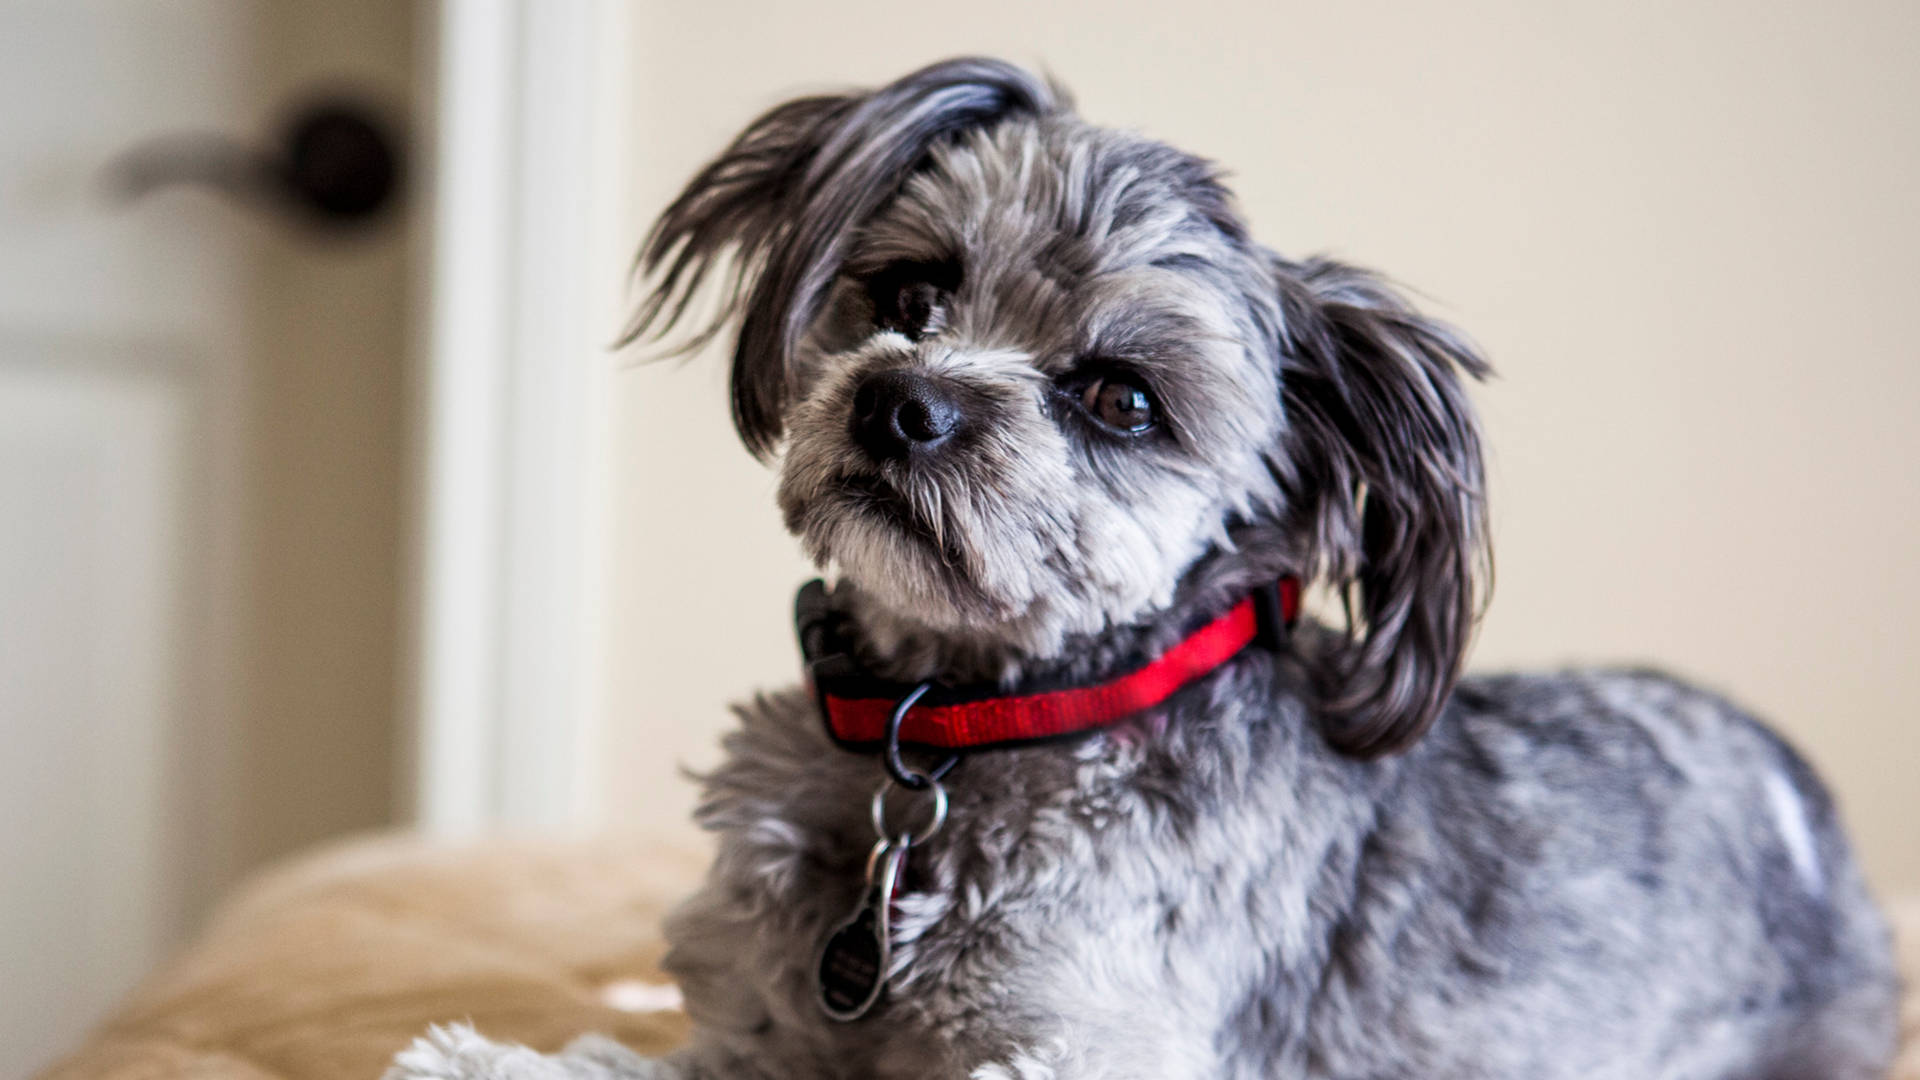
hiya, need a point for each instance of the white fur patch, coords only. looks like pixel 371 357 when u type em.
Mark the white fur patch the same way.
pixel 638 996
pixel 1790 817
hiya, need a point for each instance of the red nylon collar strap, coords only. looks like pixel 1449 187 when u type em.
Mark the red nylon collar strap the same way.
pixel 857 707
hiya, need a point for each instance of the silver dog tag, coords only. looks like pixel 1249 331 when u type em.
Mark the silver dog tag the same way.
pixel 853 961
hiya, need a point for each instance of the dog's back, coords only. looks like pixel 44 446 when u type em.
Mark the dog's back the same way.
pixel 1660 844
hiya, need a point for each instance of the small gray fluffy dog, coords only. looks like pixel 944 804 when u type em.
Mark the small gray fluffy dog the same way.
pixel 1042 408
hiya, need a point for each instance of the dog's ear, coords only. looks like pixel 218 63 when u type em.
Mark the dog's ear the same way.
pixel 1383 476
pixel 781 202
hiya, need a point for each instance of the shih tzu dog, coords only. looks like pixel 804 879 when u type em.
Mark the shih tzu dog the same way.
pixel 1069 792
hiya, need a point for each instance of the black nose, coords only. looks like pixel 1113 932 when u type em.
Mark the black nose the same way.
pixel 898 412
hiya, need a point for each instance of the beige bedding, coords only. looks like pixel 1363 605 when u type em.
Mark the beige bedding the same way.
pixel 325 968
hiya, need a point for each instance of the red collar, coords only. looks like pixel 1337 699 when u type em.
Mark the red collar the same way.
pixel 858 707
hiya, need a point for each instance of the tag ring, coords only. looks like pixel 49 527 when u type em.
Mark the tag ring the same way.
pixel 896 765
pixel 907 839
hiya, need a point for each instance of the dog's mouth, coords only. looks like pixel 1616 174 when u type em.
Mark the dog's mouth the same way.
pixel 876 497
pixel 873 494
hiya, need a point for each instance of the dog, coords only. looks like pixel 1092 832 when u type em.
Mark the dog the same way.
pixel 1049 417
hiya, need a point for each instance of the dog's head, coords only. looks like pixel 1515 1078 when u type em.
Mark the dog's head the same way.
pixel 1025 374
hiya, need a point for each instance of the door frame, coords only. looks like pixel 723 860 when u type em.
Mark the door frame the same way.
pixel 524 258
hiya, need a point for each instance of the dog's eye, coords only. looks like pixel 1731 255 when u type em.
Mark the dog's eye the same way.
pixel 1121 405
pixel 911 297
pixel 908 307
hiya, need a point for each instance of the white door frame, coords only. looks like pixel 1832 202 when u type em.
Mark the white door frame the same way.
pixel 525 264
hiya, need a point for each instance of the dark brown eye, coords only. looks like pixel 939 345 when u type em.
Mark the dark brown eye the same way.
pixel 910 308
pixel 1119 404
pixel 911 298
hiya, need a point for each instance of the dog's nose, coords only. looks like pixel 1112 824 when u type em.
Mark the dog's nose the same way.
pixel 896 413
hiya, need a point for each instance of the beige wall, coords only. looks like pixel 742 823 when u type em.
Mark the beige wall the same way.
pixel 326 361
pixel 1685 234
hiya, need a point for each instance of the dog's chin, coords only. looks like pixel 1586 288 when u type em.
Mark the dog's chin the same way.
pixel 871 539
pixel 878 511
pixel 922 580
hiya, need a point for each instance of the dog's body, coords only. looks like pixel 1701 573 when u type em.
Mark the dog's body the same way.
pixel 1044 406
pixel 1582 876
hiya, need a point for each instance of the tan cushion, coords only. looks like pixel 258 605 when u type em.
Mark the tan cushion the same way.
pixel 325 968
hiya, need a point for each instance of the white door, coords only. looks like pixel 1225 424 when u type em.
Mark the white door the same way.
pixel 172 451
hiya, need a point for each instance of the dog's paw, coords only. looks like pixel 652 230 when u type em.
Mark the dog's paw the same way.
pixel 612 1060
pixel 457 1052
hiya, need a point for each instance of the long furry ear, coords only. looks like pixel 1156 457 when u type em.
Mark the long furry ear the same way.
pixel 781 202
pixel 1383 474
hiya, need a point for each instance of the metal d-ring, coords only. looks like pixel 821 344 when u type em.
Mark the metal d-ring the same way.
pixel 905 839
pixel 896 765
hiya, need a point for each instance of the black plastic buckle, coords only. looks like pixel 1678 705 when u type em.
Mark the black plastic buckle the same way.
pixel 1270 618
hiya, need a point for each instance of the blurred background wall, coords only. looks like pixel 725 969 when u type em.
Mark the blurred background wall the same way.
pixel 1685 234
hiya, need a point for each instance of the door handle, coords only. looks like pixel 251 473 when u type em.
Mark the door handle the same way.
pixel 332 164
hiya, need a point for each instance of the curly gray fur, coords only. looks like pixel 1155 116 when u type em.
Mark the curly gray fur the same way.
pixel 1341 860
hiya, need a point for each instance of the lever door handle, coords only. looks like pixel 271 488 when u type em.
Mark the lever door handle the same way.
pixel 332 164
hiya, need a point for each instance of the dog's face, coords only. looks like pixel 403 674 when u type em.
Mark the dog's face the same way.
pixel 1026 372
pixel 1033 395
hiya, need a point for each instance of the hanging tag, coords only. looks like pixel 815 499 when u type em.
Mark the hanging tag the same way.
pixel 853 962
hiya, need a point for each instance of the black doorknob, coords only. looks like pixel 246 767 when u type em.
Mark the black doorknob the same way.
pixel 333 163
